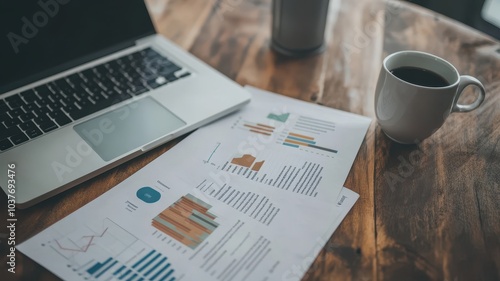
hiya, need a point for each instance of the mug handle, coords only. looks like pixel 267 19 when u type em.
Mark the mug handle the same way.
pixel 465 81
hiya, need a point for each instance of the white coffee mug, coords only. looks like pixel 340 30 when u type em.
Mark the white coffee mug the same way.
pixel 411 108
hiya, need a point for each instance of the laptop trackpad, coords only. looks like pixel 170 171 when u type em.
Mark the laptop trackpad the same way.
pixel 128 128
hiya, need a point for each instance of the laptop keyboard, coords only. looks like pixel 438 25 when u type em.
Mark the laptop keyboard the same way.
pixel 34 112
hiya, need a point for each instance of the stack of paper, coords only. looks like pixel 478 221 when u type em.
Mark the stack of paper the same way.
pixel 253 196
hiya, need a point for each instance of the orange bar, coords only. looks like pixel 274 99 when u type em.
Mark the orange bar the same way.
pixel 257 166
pixel 295 142
pixel 262 125
pixel 258 128
pixel 259 132
pixel 245 161
pixel 300 136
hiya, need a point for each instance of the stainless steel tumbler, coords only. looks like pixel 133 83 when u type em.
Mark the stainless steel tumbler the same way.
pixel 299 26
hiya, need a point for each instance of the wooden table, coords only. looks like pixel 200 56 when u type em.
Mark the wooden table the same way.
pixel 427 212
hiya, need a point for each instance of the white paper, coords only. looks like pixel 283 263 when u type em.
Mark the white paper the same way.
pixel 185 217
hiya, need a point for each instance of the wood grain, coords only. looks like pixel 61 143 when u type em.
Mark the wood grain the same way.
pixel 436 203
pixel 426 212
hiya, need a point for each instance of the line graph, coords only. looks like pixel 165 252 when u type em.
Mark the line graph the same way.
pixel 212 154
pixel 104 250
pixel 84 248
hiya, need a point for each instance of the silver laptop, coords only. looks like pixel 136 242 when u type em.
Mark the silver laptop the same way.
pixel 86 85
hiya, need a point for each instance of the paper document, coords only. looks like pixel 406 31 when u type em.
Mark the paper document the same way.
pixel 251 197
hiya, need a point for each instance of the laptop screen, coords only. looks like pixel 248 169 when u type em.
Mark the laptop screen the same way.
pixel 41 38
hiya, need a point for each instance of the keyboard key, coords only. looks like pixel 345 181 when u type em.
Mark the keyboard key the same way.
pixel 43 91
pixel 89 110
pixel 33 132
pixel 26 116
pixel 137 90
pixel 166 70
pixel 57 113
pixel 29 95
pixel 83 103
pixel 62 120
pixel 156 82
pixel 8 132
pixel 185 75
pixel 16 112
pixel 30 107
pixel 4 117
pixel 5 144
pixel 42 111
pixel 48 126
pixel 42 119
pixel 27 125
pixel 98 97
pixel 12 122
pixel 70 108
pixel 19 138
pixel 99 106
pixel 15 104
pixel 14 98
pixel 171 77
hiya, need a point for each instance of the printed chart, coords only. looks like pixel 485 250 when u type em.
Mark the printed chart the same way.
pixel 294 131
pixel 187 220
pixel 299 177
pixel 109 252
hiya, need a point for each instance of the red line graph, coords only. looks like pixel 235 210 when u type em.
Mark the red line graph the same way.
pixel 84 248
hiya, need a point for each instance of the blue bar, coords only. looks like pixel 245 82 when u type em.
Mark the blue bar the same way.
pixel 156 266
pixel 98 266
pixel 160 272
pixel 94 268
pixel 167 275
pixel 172 279
pixel 149 262
pixel 141 279
pixel 106 269
pixel 292 145
pixel 119 270
pixel 125 274
pixel 132 277
pixel 302 140
pixel 143 259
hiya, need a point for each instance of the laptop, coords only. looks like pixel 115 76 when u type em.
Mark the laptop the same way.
pixel 86 85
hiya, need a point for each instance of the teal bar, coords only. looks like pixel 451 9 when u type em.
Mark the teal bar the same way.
pixel 292 145
pixel 107 268
pixel 156 266
pixel 98 266
pixel 149 262
pixel 143 259
pixel 167 275
pixel 302 140
pixel 160 272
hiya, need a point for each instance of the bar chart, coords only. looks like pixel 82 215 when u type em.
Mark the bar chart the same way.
pixel 248 161
pixel 258 128
pixel 148 266
pixel 313 125
pixel 293 175
pixel 107 251
pixel 298 140
pixel 187 221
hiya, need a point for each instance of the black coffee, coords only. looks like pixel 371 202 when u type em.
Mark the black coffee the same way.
pixel 420 76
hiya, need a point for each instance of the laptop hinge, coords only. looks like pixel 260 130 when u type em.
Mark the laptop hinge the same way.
pixel 145 39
